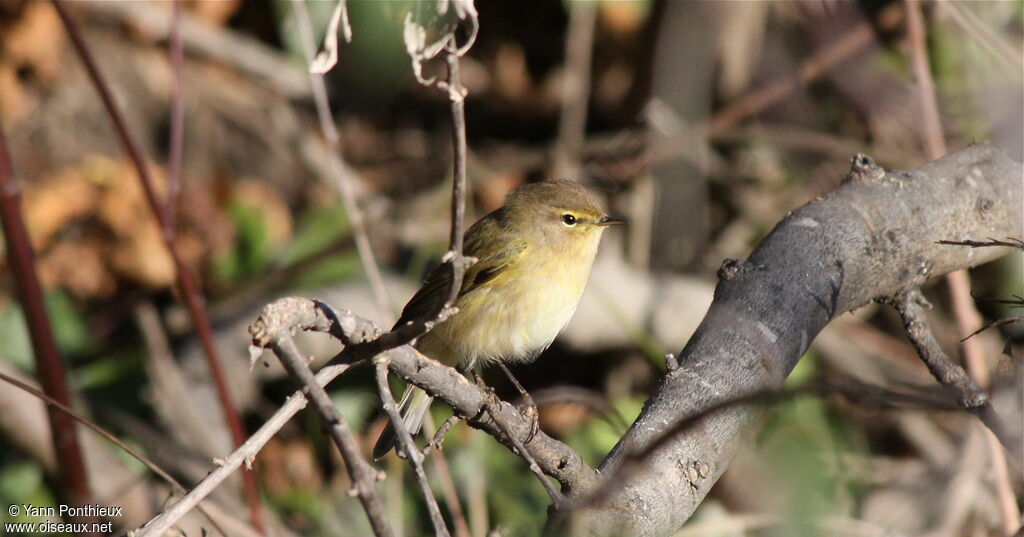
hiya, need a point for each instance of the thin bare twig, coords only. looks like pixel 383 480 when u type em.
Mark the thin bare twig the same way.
pixel 969 395
pixel 49 364
pixel 1017 301
pixel 408 447
pixel 137 455
pixel 341 174
pixel 457 95
pixel 438 438
pixel 360 471
pixel 557 498
pixel 190 289
pixel 997 322
pixel 451 496
pixel 299 314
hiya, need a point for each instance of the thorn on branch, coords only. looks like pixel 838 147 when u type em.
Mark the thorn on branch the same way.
pixel 1009 242
pixel 437 440
pixel 999 322
pixel 1017 301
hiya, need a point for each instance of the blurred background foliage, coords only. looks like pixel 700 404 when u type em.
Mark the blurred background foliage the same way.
pixel 760 107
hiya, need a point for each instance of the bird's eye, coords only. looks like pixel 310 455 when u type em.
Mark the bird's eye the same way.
pixel 569 219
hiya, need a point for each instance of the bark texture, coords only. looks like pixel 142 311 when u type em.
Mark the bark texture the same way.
pixel 875 236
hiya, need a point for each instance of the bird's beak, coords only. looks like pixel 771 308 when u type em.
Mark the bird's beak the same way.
pixel 609 221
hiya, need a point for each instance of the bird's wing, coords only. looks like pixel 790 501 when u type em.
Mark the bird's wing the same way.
pixel 495 255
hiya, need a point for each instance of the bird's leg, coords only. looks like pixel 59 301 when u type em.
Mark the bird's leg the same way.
pixel 527 407
pixel 479 380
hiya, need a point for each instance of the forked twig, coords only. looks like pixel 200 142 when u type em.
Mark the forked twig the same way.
pixel 362 474
pixel 969 395
pixel 290 313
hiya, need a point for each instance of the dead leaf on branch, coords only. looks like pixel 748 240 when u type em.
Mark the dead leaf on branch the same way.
pixel 430 27
pixel 327 57
pixel 36 41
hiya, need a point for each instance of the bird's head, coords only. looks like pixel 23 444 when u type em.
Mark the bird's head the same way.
pixel 558 211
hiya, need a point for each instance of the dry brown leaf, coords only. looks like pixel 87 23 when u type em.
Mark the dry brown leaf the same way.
pixel 51 204
pixel 138 251
pixel 123 207
pixel 78 267
pixel 36 41
pixel 142 256
pixel 15 103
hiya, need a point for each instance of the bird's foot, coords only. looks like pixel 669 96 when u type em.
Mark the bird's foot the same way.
pixel 528 408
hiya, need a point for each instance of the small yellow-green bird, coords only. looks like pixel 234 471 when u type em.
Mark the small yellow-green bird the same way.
pixel 534 259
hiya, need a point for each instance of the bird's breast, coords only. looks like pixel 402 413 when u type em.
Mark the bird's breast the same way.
pixel 518 314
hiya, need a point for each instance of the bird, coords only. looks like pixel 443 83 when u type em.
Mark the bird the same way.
pixel 534 257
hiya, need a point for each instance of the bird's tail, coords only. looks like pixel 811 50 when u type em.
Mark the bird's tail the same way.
pixel 413 407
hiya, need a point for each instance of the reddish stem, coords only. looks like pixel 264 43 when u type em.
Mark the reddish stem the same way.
pixel 49 365
pixel 187 284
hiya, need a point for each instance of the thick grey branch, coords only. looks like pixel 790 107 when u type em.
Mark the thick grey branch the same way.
pixel 875 236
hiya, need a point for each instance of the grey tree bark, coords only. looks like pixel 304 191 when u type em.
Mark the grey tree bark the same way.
pixel 874 237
